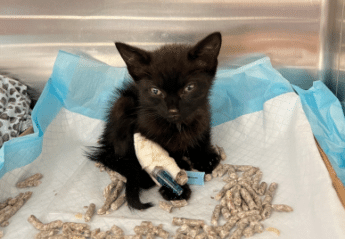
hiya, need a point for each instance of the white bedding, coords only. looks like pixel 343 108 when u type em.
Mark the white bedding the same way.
pixel 278 140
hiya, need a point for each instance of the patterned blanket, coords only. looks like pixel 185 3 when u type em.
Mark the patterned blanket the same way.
pixel 15 112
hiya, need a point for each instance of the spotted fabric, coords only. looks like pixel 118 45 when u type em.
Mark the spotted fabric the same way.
pixel 15 112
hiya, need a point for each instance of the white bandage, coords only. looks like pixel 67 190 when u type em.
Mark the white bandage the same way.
pixel 150 155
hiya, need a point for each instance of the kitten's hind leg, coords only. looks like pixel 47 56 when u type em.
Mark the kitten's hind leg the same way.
pixel 168 194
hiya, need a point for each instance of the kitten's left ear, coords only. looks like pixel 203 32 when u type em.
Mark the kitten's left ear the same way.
pixel 207 50
pixel 135 58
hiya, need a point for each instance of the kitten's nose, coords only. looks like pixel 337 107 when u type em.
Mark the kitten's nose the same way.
pixel 173 111
pixel 174 115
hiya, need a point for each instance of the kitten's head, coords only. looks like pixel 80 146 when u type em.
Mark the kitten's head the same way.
pixel 173 81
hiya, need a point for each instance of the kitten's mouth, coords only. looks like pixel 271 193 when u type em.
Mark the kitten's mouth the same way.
pixel 174 118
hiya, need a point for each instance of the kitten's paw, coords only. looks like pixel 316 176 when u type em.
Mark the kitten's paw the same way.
pixel 207 163
pixel 168 194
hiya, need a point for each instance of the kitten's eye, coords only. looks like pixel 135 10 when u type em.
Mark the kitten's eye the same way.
pixel 155 91
pixel 189 88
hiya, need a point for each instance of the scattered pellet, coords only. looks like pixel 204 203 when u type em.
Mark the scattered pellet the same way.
pixel 243 222
pixel 267 211
pixel 118 202
pixel 223 202
pixel 44 227
pixel 95 232
pixel 58 236
pixel 227 179
pixel 117 230
pixel 249 231
pixel 193 232
pixel 181 177
pixel 115 175
pixel 211 233
pixel 237 233
pixel 109 189
pixel 162 233
pixel 226 213
pixel 115 237
pixel 45 234
pixel 248 213
pixel 215 215
pixel 98 164
pixel 247 180
pixel 248 199
pixel 147 224
pixel 256 180
pixel 112 197
pixel 90 212
pixel 220 151
pixel 202 235
pixel 31 181
pixel 248 187
pixel 232 173
pixel 229 225
pixel 245 206
pixel 184 229
pixel 142 230
pixel 77 226
pixel 67 230
pixel 237 197
pixel 281 208
pixel 223 170
pixel 178 221
pixel 272 229
pixel 250 172
pixel 208 177
pixel 87 233
pixel 15 200
pixel 258 227
pixel 215 171
pixel 102 235
pixel 5 203
pixel 229 200
pixel 182 236
pixel 149 235
pixel 269 193
pixel 5 224
pixel 262 189
pixel 226 187
pixel 9 211
pixel 78 215
pixel 179 203
pixel 242 168
pixel 239 208
pixel 102 168
pixel 223 233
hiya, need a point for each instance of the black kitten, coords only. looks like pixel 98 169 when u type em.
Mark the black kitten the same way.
pixel 167 103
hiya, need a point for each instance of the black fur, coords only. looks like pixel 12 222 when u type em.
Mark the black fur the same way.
pixel 167 102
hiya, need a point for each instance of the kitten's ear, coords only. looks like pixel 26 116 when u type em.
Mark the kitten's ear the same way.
pixel 206 51
pixel 136 59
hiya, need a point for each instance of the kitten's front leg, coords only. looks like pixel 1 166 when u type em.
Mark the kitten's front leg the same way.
pixel 204 158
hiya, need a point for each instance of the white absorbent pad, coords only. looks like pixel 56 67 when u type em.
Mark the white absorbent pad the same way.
pixel 277 139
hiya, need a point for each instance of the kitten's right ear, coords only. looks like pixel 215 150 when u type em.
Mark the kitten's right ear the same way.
pixel 136 59
pixel 206 51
